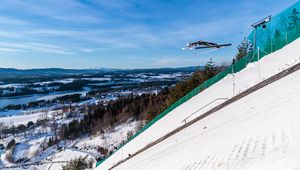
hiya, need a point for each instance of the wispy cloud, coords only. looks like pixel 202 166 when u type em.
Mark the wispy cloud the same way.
pixel 12 21
pixel 11 50
pixel 130 37
pixel 32 46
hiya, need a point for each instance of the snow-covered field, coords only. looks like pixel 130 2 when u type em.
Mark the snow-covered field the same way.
pixel 64 81
pixel 97 79
pixel 23 117
pixel 53 96
pixel 20 119
pixel 166 76
pixel 11 85
pixel 251 75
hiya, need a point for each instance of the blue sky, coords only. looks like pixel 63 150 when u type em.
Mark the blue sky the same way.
pixel 123 33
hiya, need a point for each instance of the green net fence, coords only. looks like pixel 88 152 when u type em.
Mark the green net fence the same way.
pixel 281 30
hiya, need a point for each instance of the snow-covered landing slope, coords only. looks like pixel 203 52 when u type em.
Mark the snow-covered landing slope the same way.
pixel 259 131
pixel 269 65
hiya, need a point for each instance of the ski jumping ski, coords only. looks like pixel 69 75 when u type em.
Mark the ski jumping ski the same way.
pixel 203 45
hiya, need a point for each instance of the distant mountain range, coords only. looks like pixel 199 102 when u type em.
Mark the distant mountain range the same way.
pixel 11 73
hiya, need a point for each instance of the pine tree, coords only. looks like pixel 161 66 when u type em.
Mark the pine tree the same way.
pixel 243 49
pixel 78 164
pixel 278 39
pixel 277 34
pixel 210 69
pixel 50 142
pixel 294 19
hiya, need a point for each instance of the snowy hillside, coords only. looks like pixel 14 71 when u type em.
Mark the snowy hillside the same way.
pixel 232 136
pixel 260 131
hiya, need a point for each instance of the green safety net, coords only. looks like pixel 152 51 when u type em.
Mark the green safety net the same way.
pixel 281 30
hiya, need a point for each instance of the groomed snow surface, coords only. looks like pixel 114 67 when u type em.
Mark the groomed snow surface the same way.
pixel 260 131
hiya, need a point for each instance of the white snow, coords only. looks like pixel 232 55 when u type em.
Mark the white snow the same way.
pixel 20 150
pixel 11 85
pixel 166 76
pixel 20 119
pixel 65 155
pixel 111 138
pixel 53 96
pixel 97 79
pixel 24 116
pixel 262 118
pixel 64 81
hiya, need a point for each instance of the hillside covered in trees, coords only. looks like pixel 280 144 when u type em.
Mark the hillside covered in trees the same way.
pixel 141 108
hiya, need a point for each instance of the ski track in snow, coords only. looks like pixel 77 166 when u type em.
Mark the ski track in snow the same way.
pixel 240 153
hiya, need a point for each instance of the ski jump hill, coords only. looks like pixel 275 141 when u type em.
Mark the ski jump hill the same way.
pixel 247 117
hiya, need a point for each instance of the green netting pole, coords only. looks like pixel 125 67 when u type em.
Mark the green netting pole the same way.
pixel 286 38
pixel 258 60
pixel 271 44
pixel 233 84
pixel 254 38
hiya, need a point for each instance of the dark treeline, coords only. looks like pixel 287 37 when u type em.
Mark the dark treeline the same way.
pixel 144 107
